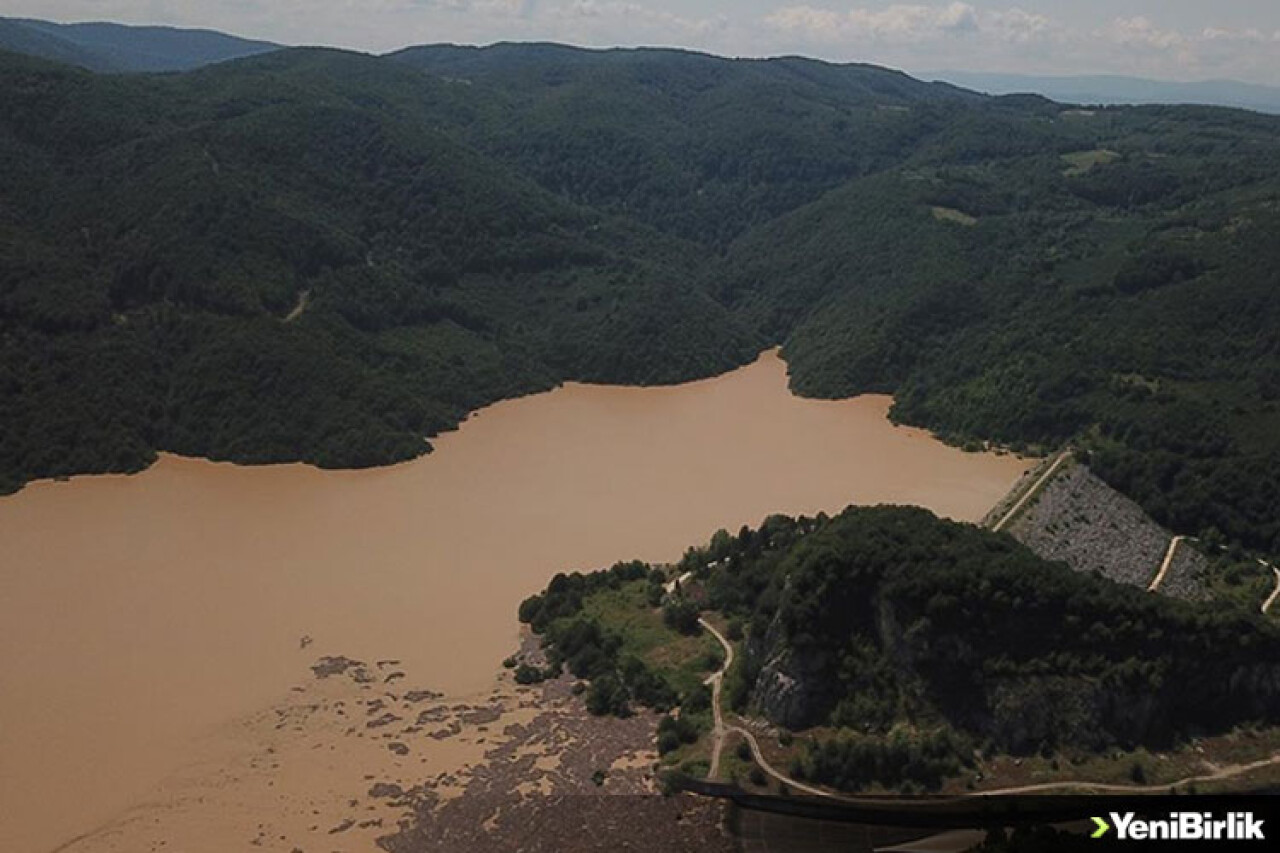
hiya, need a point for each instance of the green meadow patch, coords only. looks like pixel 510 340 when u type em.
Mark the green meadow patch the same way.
pixel 1080 162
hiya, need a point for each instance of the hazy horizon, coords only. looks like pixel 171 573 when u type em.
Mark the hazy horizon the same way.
pixel 1178 41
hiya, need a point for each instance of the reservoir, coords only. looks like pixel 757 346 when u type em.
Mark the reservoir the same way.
pixel 140 614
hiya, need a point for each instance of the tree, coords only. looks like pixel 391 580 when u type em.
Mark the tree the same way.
pixel 681 615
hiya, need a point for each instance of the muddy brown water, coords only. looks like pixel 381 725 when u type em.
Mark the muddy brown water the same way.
pixel 138 614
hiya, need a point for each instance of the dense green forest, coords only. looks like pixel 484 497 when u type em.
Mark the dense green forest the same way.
pixel 157 233
pixel 324 256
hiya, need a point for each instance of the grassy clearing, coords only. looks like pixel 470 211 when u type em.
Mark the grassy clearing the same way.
pixel 684 660
pixel 1080 162
pixel 692 758
pixel 950 214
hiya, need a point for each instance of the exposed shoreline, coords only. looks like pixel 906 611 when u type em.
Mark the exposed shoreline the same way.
pixel 434 770
pixel 773 353
pixel 429 440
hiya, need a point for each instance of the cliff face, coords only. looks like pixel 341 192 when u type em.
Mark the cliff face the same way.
pixel 792 689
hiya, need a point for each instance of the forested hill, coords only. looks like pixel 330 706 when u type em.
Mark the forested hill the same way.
pixel 698 146
pixel 285 259
pixel 326 256
pixel 101 46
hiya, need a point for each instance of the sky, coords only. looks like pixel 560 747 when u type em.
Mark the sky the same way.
pixel 1163 39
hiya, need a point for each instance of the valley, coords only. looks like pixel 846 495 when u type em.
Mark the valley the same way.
pixel 829 431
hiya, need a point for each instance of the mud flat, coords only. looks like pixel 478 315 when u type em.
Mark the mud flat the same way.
pixel 146 620
pixel 349 763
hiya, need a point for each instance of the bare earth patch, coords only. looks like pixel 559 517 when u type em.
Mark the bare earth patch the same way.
pixel 949 214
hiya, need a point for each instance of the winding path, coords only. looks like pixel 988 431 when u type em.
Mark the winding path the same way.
pixel 304 300
pixel 716 680
pixel 1275 593
pixel 1219 775
pixel 671 586
pixel 1168 561
pixel 1032 492
pixel 721 731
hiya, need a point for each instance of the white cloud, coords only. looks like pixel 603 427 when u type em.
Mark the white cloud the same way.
pixel 964 35
pixel 1019 27
pixel 631 14
pixel 1249 36
pixel 1142 32
pixel 913 24
pixel 899 23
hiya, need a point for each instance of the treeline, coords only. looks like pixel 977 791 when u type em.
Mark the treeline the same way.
pixel 903 760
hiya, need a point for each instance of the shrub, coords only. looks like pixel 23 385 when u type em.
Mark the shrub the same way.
pixel 668 741
pixel 681 615
pixel 527 674
pixel 606 695
pixel 697 700
pixel 683 728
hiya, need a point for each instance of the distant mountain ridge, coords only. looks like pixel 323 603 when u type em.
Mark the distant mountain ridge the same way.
pixel 107 47
pixel 1113 89
pixel 115 48
pixel 536 60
